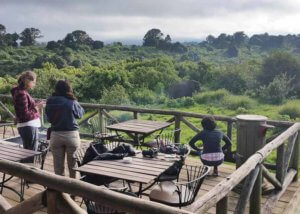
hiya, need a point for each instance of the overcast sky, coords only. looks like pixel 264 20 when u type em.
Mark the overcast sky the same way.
pixel 124 20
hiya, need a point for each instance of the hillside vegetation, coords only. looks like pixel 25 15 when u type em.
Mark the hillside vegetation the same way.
pixel 235 73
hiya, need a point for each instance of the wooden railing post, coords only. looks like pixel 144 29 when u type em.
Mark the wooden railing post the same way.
pixel 135 115
pixel 251 131
pixel 177 127
pixel 279 163
pixel 51 201
pixel 222 206
pixel 101 120
pixel 295 158
pixel 229 129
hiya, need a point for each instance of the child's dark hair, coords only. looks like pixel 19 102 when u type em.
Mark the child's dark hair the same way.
pixel 63 88
pixel 208 123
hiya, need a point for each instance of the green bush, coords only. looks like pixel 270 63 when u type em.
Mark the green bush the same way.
pixel 210 97
pixel 291 109
pixel 186 101
pixel 143 96
pixel 277 91
pixel 237 102
pixel 116 95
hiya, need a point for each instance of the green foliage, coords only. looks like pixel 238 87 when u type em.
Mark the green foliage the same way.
pixel 277 91
pixel 115 95
pixel 143 96
pixel 210 97
pixel 48 76
pixel 291 109
pixel 236 102
pixel 99 78
pixel 6 84
pixel 278 63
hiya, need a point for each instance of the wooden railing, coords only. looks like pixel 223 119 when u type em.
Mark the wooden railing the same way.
pixel 250 172
pixel 286 171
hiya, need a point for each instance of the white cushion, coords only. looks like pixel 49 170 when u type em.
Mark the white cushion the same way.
pixel 166 191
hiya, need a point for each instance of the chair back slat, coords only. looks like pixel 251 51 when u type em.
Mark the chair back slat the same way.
pixel 195 176
pixel 99 132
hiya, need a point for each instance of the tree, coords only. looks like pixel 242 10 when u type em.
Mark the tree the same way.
pixel 29 36
pixel 77 38
pixel 239 38
pixel 2 30
pixel 153 37
pixel 210 39
pixel 11 39
pixel 52 45
pixel 232 51
pixel 97 44
pixel 168 39
pixel 278 63
pixel 2 35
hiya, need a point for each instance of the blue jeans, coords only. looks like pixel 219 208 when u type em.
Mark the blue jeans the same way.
pixel 29 136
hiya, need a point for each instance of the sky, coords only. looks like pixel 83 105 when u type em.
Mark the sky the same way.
pixel 129 20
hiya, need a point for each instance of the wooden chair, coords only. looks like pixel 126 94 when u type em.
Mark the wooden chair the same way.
pixel 101 133
pixel 38 162
pixel 96 208
pixel 165 142
pixel 97 180
pixel 182 193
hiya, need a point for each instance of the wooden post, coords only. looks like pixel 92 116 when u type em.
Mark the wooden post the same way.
pixel 222 206
pixel 279 163
pixel 295 158
pixel 101 120
pixel 135 115
pixel 251 131
pixel 177 127
pixel 51 201
pixel 229 129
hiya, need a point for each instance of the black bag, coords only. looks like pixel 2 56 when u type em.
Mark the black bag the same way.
pixel 124 149
pixel 174 169
pixel 93 151
pixel 110 156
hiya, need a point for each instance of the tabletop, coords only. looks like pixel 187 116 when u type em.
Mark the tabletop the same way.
pixel 15 153
pixel 142 170
pixel 139 126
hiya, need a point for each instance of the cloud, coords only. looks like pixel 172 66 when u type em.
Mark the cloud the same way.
pixel 131 19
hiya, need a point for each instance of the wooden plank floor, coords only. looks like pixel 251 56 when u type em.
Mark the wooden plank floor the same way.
pixel 207 185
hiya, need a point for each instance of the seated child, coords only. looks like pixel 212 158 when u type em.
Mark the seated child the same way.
pixel 212 154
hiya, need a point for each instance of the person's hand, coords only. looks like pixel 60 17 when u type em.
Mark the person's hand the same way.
pixel 40 105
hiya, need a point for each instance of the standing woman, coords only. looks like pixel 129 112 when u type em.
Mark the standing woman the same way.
pixel 27 110
pixel 62 110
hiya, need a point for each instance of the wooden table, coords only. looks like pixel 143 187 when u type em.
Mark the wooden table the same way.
pixel 141 170
pixel 16 154
pixel 138 130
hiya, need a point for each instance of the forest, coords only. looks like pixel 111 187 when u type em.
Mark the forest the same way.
pixel 224 75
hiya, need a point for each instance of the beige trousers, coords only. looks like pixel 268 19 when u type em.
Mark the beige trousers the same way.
pixel 61 143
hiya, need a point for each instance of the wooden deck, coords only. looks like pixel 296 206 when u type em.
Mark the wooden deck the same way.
pixel 289 199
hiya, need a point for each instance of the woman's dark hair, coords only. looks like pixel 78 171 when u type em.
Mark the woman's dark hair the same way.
pixel 208 123
pixel 64 88
pixel 25 77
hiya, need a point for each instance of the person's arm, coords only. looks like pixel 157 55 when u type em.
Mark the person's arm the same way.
pixel 194 140
pixel 78 111
pixel 21 106
pixel 228 143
